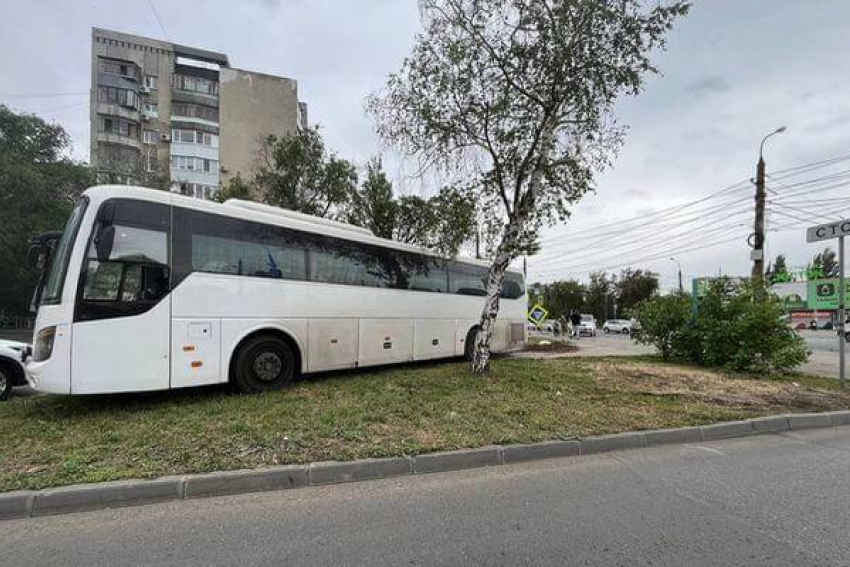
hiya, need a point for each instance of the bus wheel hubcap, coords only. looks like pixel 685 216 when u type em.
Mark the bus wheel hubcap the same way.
pixel 2 382
pixel 267 366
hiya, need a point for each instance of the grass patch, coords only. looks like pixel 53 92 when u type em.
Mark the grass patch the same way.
pixel 402 410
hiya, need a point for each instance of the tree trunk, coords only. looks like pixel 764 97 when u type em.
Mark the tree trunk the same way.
pixel 507 247
pixel 481 352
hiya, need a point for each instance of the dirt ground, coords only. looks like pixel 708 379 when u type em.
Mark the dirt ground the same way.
pixel 714 387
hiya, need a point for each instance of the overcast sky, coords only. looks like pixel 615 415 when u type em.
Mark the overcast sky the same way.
pixel 734 70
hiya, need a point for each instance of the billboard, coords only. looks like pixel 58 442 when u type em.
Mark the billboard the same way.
pixel 823 294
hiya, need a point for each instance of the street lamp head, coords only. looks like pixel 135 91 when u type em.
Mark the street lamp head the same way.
pixel 763 140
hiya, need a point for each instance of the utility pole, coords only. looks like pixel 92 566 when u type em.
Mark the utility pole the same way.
pixel 758 230
pixel 679 266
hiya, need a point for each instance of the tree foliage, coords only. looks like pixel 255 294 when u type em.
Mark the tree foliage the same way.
pixel 516 98
pixel 632 287
pixel 235 188
pixel 825 263
pixel 296 172
pixel 560 298
pixel 38 186
pixel 443 222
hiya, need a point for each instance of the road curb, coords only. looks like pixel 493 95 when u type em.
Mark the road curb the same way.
pixel 85 497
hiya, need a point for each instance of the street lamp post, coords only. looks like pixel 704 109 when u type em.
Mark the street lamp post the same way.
pixel 681 289
pixel 758 232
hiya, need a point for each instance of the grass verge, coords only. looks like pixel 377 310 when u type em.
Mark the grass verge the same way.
pixel 52 440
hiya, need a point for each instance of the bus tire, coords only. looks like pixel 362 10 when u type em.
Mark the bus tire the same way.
pixel 264 363
pixel 5 381
pixel 469 344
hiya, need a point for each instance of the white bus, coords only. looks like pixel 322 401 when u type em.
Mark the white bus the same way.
pixel 149 290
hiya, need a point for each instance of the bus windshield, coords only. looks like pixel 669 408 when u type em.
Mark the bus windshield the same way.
pixel 58 265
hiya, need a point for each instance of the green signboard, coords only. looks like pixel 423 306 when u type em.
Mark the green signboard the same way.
pixel 537 314
pixel 823 294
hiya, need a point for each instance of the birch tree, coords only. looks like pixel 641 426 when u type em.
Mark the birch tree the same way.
pixel 516 98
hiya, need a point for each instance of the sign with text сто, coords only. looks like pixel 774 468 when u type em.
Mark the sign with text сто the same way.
pixel 838 230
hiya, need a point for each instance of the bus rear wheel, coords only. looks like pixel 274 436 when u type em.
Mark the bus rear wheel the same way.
pixel 263 364
pixel 469 344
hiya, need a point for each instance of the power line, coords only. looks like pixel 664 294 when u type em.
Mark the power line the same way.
pixel 660 238
pixel 158 20
pixel 661 213
pixel 566 265
pixel 658 256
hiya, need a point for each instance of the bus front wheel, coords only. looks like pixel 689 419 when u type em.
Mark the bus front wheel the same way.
pixel 263 364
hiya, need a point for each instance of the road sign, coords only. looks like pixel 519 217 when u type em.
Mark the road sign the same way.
pixel 537 314
pixel 828 231
pixel 837 230
pixel 823 294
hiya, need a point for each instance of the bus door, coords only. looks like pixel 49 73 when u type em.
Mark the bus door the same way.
pixel 121 331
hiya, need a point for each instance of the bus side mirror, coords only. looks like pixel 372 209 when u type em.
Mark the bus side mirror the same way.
pixel 35 257
pixel 104 241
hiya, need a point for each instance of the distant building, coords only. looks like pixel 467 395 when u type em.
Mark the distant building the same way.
pixel 173 116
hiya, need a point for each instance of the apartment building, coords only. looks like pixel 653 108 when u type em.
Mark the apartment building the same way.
pixel 178 117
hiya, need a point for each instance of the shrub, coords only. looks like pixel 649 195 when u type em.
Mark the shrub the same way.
pixel 663 322
pixel 742 329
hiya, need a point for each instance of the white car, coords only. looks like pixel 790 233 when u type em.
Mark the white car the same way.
pixel 587 325
pixel 623 326
pixel 12 371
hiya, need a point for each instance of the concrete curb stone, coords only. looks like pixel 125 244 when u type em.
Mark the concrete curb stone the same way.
pixel 16 504
pixel 727 430
pixel 840 417
pixel 614 442
pixel 537 451
pixel 332 472
pixel 106 495
pixel 667 436
pixel 242 481
pixel 456 460
pixel 809 420
pixel 771 424
pixel 77 498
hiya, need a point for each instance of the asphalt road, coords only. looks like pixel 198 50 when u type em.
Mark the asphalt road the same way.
pixel 769 500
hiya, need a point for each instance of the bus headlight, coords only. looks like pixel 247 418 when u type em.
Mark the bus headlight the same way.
pixel 43 347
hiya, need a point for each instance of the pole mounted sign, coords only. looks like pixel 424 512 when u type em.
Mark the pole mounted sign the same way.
pixel 828 231
pixel 838 230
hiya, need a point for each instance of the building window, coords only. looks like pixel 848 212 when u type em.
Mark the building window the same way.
pixel 192 163
pixel 151 137
pixel 120 126
pixel 152 109
pixel 152 82
pixel 195 137
pixel 114 95
pixel 191 110
pixel 195 84
pixel 117 67
pixel 152 162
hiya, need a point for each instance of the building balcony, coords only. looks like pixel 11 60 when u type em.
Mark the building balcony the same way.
pixel 121 111
pixel 118 139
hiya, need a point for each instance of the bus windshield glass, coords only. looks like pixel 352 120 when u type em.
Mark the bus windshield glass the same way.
pixel 58 266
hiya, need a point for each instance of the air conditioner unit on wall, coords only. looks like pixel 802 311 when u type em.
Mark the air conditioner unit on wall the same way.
pixel 165 137
pixel 144 89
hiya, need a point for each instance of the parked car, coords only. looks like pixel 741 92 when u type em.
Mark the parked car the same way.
pixel 623 326
pixel 587 325
pixel 12 371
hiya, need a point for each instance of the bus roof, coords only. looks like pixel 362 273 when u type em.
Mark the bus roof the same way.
pixel 268 214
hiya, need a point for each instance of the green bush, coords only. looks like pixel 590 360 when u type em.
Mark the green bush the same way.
pixel 663 321
pixel 743 329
